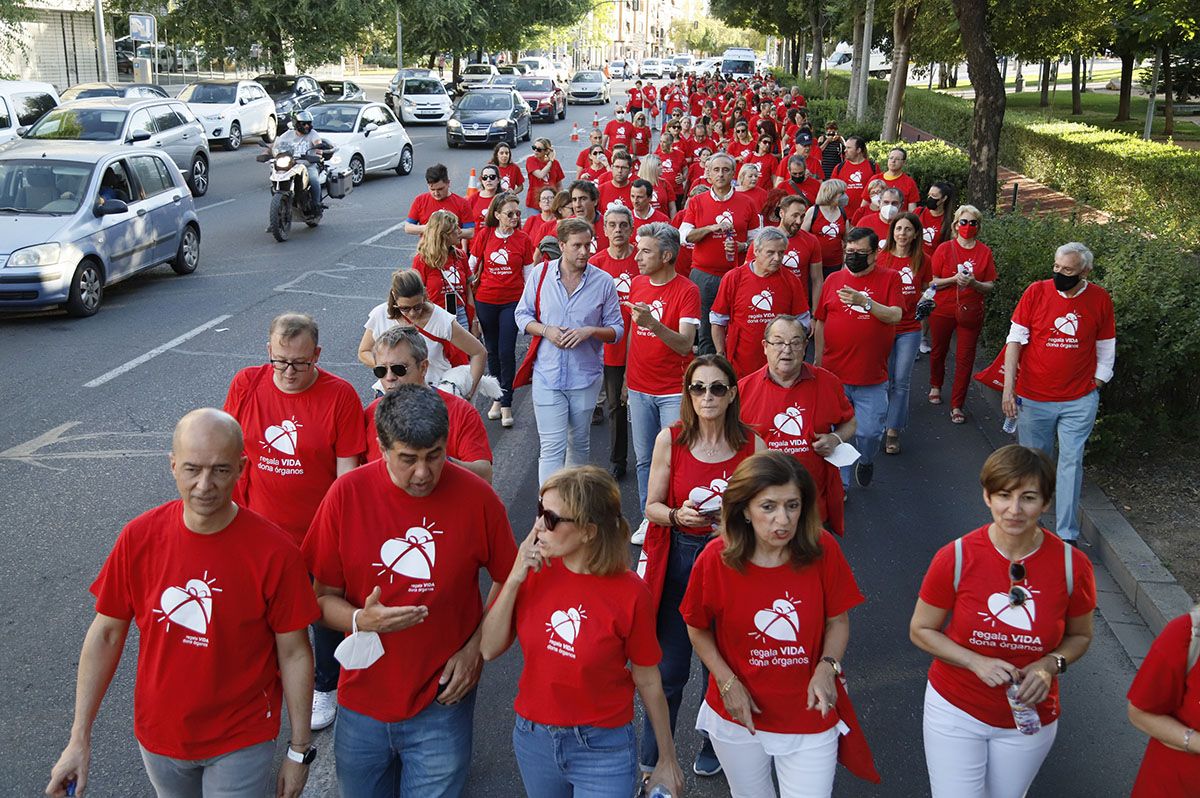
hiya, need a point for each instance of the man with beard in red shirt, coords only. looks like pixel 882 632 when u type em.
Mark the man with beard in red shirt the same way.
pixel 803 254
pixel 616 191
pixel 855 170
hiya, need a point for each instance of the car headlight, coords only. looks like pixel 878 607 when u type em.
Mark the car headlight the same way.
pixel 500 123
pixel 453 123
pixel 214 117
pixel 30 257
pixel 408 102
pixel 283 162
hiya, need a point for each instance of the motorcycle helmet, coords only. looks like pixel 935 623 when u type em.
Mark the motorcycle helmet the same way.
pixel 303 123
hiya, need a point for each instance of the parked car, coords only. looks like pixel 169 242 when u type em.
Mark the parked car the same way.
pixel 546 98
pixel 423 99
pixel 488 115
pixel 473 75
pixel 291 93
pixel 588 86
pixel 230 110
pixel 86 215
pixel 562 71
pixel 539 66
pixel 168 125
pixel 85 91
pixel 22 102
pixel 513 69
pixel 367 136
pixel 684 64
pixel 336 90
pixel 706 66
pixel 619 69
pixel 653 68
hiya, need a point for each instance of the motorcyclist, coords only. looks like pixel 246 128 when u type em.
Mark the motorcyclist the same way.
pixel 300 140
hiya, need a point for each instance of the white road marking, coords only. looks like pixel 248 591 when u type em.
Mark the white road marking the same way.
pixel 153 353
pixel 216 204
pixel 383 234
pixel 31 452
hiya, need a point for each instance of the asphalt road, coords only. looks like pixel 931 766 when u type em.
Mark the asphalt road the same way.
pixel 77 462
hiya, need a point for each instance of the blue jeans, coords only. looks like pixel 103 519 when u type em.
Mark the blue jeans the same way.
pixel 676 663
pixel 1038 424
pixel 900 368
pixel 314 185
pixel 325 642
pixel 649 415
pixel 870 411
pixel 426 756
pixel 500 337
pixel 575 761
pixel 564 419
pixel 708 285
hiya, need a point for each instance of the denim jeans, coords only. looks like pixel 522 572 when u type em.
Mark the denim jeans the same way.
pixel 1038 425
pixel 325 642
pixel 500 338
pixel 870 411
pixel 676 663
pixel 649 415
pixel 564 421
pixel 900 368
pixel 314 185
pixel 575 761
pixel 426 756
pixel 244 773
pixel 617 413
pixel 708 285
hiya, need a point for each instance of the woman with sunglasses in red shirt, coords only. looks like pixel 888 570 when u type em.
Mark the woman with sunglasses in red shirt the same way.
pixel 1019 602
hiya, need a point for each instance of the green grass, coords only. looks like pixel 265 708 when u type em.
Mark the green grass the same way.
pixel 1099 109
pixel 1031 78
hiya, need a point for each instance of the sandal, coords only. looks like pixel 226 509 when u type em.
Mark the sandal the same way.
pixel 935 396
pixel 891 443
pixel 957 416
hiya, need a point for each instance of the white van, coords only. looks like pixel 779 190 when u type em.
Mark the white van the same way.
pixel 22 102
pixel 539 66
pixel 879 65
pixel 738 62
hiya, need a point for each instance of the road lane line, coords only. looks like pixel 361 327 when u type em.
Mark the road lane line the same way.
pixel 153 353
pixel 216 204
pixel 383 234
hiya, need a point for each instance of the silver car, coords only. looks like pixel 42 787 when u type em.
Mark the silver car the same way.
pixel 81 216
pixel 588 86
pixel 166 125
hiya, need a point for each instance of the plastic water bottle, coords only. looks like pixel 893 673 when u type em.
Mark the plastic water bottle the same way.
pixel 1026 717
pixel 1010 425
pixel 730 256
pixel 660 791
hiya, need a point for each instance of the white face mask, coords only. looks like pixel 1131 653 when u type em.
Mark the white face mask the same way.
pixel 888 212
pixel 361 649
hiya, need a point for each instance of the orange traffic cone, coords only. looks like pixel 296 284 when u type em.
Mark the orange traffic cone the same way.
pixel 472 186
pixel 596 119
pixel 575 132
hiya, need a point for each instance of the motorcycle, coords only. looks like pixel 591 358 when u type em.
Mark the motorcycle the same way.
pixel 290 190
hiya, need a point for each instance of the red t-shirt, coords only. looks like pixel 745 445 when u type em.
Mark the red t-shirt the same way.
pixel 1164 686
pixel 450 279
pixel 511 178
pixel 809 187
pixel 208 608
pixel 830 234
pixel 635 97
pixel 424 205
pixel 703 210
pixel 871 221
pixel 640 141
pixel 747 303
pixel 857 344
pixel 653 367
pixel 618 132
pixel 756 195
pixel 767 164
pixel 420 552
pixel 611 193
pixel 596 176
pixel 538 228
pixel 740 149
pixel 622 271
pixel 702 483
pixel 1059 363
pixel 931 230
pixel 655 216
pixel 770 629
pixel 584 157
pixel 292 442
pixel 577 632
pixel 905 183
pixel 910 287
pixel 479 208
pixel 983 620
pixel 683 261
pixel 554 178
pixel 951 258
pixel 502 262
pixel 468 440
pixel 856 177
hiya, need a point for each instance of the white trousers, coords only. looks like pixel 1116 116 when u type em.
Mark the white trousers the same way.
pixel 805 772
pixel 967 758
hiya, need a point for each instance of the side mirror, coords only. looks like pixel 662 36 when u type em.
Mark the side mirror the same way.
pixel 109 207
pixel 21 131
pixel 243 101
pixel 139 135
pixel 370 128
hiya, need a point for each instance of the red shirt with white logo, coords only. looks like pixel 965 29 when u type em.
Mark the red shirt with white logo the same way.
pixel 640 142
pixel 619 132
pixel 747 302
pixel 931 230
pixel 553 178
pixel 468 440
pixel 770 629
pixel 450 279
pixel 767 164
pixel 479 208
pixel 653 367
pixel 704 210
pixel 577 632
pixel 906 184
pixel 872 221
pixel 292 442
pixel 424 205
pixel 857 344
pixel 1165 686
pixel 700 482
pixel 502 262
pixel 951 258
pixel 207 608
pixel 622 271
pixel 802 253
pixel 831 234
pixel 740 149
pixel 856 176
pixel 1059 362
pixel 910 287
pixel 423 551
pixel 983 619
pixel 612 194
pixel 511 178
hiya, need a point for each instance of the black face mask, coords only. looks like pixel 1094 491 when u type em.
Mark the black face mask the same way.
pixel 797 178
pixel 930 203
pixel 857 261
pixel 1066 282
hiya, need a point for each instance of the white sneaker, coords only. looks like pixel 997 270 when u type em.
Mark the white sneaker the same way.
pixel 324 709
pixel 639 536
pixel 925 346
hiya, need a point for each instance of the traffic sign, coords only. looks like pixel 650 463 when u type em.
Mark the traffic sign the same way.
pixel 142 27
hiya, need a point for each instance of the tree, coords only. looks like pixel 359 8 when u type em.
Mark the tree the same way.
pixel 990 100
pixel 12 14
pixel 904 22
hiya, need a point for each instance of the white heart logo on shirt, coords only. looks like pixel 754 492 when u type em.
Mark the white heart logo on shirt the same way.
pixel 830 230
pixel 504 183
pixel 791 259
pixel 565 623
pixel 856 177
pixel 1001 608
pixel 860 308
pixel 656 309
pixel 929 233
pixel 790 422
pixel 654 198
pixel 1067 325
pixel 500 257
pixel 725 220
pixel 763 300
pixel 641 563
pixel 707 498
pixel 906 275
pixel 283 436
pixel 412 555
pixel 622 282
pixel 966 267
pixel 616 202
pixel 189 606
pixel 620 130
pixel 780 622
pixel 666 165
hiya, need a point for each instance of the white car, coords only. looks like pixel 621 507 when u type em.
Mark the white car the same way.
pixel 230 110
pixel 423 100
pixel 562 70
pixel 367 136
pixel 539 66
pixel 588 86
pixel 652 68
pixel 476 75
pixel 22 102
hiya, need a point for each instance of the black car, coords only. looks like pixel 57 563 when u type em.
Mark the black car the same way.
pixel 291 93
pixel 488 115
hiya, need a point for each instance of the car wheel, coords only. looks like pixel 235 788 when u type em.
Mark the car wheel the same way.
pixel 358 170
pixel 187 258
pixel 513 138
pixel 198 176
pixel 529 130
pixel 451 143
pixel 235 136
pixel 271 131
pixel 406 162
pixel 87 290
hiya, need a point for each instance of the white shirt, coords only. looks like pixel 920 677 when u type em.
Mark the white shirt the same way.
pixel 440 325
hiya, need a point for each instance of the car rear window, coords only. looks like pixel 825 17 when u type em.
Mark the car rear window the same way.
pixel 90 124
pixel 29 106
pixel 215 93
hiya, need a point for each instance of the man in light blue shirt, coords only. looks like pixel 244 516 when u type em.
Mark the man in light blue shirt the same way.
pixel 579 314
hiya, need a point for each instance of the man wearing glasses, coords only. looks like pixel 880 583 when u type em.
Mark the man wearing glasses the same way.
pixel 303 429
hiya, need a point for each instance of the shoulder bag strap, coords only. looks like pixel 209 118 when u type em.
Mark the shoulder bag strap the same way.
pixel 1069 567
pixel 958 562
pixel 1194 647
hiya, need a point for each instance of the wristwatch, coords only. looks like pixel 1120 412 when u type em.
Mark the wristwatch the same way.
pixel 833 663
pixel 304 759
pixel 1060 662
pixel 867 307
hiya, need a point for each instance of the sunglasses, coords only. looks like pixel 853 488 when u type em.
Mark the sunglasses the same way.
pixel 398 369
pixel 717 389
pixel 511 214
pixel 489 177
pixel 550 518
pixel 1016 595
pixel 968 222
pixel 412 310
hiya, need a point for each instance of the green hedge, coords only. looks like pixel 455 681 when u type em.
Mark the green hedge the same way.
pixel 1155 288
pixel 928 163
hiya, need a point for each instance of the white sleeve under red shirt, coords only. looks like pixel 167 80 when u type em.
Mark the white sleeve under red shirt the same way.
pixel 1059 359
pixel 769 625
pixel 1164 686
pixel 207 608
pixel 467 442
pixel 983 620
pixel 420 552
pixel 292 442
pixel 577 632
pixel 424 206
pixel 746 303
pixel 653 367
pixel 703 210
pixel 857 344
pixel 622 271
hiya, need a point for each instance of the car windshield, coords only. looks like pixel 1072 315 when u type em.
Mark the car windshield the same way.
pixel 486 101
pixel 215 93
pixel 423 86
pixel 587 77
pixel 42 186
pixel 276 85
pixel 737 66
pixel 530 63
pixel 94 91
pixel 90 124
pixel 334 118
pixel 478 69
pixel 535 84
pixel 505 80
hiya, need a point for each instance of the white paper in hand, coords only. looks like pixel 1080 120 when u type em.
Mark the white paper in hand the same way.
pixel 359 650
pixel 844 455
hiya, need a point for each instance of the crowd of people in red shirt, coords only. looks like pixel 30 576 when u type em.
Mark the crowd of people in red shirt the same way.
pixel 744 302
